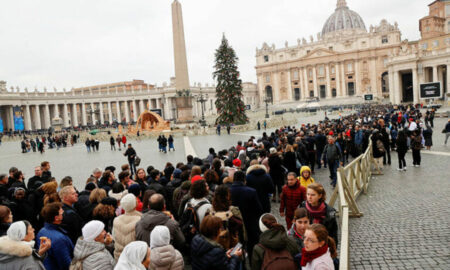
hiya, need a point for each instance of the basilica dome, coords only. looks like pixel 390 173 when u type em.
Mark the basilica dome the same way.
pixel 343 19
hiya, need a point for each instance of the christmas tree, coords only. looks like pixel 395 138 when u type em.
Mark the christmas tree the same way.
pixel 229 104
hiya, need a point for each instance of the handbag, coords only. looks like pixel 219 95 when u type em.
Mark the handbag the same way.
pixel 137 161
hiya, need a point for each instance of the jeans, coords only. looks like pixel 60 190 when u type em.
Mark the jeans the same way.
pixel 333 166
pixel 446 136
pixel 88 148
pixel 132 166
pixel 401 160
pixel 319 155
pixel 388 154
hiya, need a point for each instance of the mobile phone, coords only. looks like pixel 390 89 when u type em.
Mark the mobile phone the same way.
pixel 238 246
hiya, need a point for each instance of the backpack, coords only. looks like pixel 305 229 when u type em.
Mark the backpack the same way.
pixel 277 260
pixel 380 146
pixel 137 161
pixel 178 195
pixel 189 221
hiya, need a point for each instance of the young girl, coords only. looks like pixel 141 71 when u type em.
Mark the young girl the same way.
pixel 301 222
pixel 305 177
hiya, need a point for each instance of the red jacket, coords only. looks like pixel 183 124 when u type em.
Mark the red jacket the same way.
pixel 291 198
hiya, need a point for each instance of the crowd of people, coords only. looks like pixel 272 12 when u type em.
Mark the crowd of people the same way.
pixel 211 213
pixel 53 141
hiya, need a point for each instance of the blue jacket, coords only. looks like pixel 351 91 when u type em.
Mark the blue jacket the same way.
pixel 359 136
pixel 207 254
pixel 60 254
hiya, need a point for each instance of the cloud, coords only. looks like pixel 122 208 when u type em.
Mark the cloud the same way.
pixel 79 43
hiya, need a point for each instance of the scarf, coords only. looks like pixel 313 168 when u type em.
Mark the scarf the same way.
pixel 308 256
pixel 317 213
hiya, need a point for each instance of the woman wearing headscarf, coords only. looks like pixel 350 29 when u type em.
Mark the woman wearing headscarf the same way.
pixel 163 255
pixel 16 248
pixel 90 251
pixel 274 239
pixel 135 256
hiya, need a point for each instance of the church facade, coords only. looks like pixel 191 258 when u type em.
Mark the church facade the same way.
pixel 347 59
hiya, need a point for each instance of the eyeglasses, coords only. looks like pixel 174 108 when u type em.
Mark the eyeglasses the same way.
pixel 310 240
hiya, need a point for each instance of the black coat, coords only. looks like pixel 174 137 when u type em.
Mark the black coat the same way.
pixel 207 254
pixel 260 180
pixel 289 161
pixel 276 171
pixel 247 200
pixel 72 222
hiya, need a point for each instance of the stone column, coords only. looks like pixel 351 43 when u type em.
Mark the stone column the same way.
pixel 289 85
pixel 391 86
pixel 56 111
pixel 37 117
pixel 119 117
pixel 135 111
pixel 435 74
pixel 158 104
pixel 179 48
pixel 65 115
pixel 74 115
pixel 27 118
pixel 149 104
pixel 276 88
pixel 398 89
pixel 337 69
pixel 358 89
pixel 167 108
pixel 306 83
pixel 373 78
pixel 343 84
pixel 110 116
pixel 83 114
pixel 327 72
pixel 415 86
pixel 141 106
pixel 11 118
pixel 316 94
pixel 102 118
pixel 93 118
pixel 127 112
pixel 47 120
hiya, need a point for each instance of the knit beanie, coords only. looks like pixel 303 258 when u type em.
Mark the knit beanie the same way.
pixel 196 178
pixel 263 227
pixel 134 189
pixel 128 202
pixel 92 229
pixel 177 173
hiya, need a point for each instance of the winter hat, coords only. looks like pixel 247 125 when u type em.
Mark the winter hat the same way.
pixel 92 229
pixel 177 173
pixel 159 237
pixel 272 150
pixel 196 178
pixel 263 227
pixel 17 189
pixel 117 196
pixel 128 202
pixel 237 162
pixel 17 231
pixel 134 189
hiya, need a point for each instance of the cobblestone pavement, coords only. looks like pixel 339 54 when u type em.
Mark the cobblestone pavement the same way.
pixel 406 215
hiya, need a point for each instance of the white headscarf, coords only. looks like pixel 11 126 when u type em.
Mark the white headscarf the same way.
pixel 17 231
pixel 132 256
pixel 159 237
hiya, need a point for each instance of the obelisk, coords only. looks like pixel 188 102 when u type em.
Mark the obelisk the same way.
pixel 183 102
pixel 179 48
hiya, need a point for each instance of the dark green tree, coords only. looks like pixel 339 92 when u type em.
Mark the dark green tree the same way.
pixel 229 104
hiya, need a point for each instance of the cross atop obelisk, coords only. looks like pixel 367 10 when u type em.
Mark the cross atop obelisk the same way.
pixel 179 48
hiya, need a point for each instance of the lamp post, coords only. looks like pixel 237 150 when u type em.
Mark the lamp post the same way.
pixel 202 99
pixel 267 100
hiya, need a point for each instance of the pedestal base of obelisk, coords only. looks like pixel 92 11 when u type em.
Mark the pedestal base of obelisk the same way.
pixel 184 110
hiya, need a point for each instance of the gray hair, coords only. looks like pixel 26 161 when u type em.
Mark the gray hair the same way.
pixel 96 170
pixel 65 191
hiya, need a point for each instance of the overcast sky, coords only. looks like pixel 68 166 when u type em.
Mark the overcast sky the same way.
pixel 76 43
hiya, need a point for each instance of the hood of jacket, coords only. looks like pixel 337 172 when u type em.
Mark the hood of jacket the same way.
pixel 304 169
pixel 274 239
pixel 153 218
pixel 163 256
pixel 10 249
pixel 201 245
pixel 84 249
pixel 186 185
pixel 257 170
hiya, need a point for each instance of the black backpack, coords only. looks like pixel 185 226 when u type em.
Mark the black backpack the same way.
pixel 189 221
